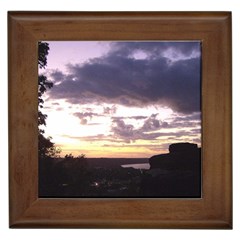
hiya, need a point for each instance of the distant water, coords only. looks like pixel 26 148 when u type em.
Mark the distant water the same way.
pixel 137 166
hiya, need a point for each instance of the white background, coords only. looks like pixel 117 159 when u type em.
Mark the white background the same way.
pixel 121 5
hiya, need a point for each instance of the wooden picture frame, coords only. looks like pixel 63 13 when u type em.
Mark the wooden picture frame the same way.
pixel 213 210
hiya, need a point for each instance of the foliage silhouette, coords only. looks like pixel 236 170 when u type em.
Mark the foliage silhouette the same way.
pixel 46 147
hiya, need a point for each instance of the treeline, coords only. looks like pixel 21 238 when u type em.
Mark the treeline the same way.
pixel 57 175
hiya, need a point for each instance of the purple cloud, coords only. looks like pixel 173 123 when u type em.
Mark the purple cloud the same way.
pixel 150 130
pixel 118 78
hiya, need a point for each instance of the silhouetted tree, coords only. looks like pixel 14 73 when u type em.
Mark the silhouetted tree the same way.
pixel 46 147
pixel 77 172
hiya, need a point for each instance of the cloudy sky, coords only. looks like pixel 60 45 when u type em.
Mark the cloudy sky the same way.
pixel 123 99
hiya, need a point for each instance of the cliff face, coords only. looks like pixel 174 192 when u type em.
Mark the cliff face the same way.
pixel 175 174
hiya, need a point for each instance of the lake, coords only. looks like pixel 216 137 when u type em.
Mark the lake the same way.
pixel 137 165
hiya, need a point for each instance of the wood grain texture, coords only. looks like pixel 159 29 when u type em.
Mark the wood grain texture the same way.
pixel 213 210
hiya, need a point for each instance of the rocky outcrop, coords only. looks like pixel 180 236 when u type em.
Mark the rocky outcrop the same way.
pixel 182 147
pixel 175 174
pixel 181 156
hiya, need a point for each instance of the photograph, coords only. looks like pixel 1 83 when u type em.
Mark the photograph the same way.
pixel 119 119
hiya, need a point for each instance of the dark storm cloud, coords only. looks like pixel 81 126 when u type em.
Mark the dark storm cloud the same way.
pixel 57 75
pixel 155 49
pixel 117 78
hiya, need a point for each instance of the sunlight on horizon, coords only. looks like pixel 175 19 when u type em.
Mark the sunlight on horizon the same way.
pixel 72 138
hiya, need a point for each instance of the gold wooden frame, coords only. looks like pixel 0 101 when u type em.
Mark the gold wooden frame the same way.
pixel 213 210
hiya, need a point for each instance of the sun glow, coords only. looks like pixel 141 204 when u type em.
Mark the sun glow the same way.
pixel 94 136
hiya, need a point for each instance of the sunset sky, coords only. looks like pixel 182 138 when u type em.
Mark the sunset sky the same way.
pixel 123 99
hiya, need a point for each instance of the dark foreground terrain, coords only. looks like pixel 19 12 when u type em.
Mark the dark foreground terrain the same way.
pixel 103 177
pixel 176 174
